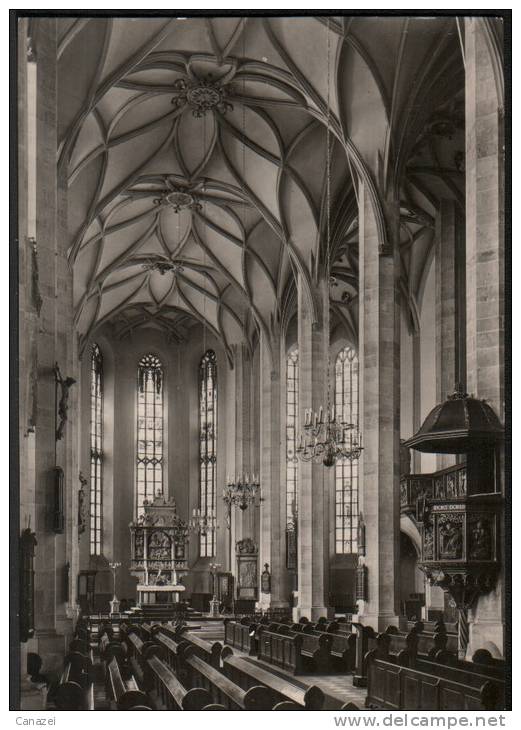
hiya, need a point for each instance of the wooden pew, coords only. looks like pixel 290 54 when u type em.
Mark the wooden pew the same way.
pixel 171 692
pixel 493 671
pixel 241 635
pixel 281 650
pixel 433 637
pixel 485 658
pixel 365 641
pixel 417 643
pixel 315 645
pixel 495 687
pixel 247 675
pixel 74 691
pixel 394 687
pixel 173 650
pixel 139 652
pixel 223 690
pixel 343 645
pixel 80 645
pixel 208 651
pixel 109 648
pixel 123 688
pixel 398 648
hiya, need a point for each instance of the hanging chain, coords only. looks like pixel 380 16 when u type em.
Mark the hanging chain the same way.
pixel 204 247
pixel 328 210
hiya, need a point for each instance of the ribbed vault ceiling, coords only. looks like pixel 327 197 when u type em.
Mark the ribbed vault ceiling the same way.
pixel 253 167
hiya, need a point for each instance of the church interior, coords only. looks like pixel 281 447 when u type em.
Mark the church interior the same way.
pixel 261 267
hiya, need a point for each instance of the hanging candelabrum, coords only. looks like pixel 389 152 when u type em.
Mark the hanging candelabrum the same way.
pixel 203 523
pixel 240 491
pixel 328 439
pixel 114 604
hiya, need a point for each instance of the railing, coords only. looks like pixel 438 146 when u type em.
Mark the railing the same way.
pixel 448 483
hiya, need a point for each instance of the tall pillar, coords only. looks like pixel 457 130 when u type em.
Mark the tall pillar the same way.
pixel 484 167
pixel 272 510
pixel 379 338
pixel 450 362
pixel 315 480
pixel 244 520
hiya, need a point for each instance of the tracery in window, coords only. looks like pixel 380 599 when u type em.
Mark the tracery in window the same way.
pixel 207 446
pixel 96 450
pixel 149 453
pixel 346 471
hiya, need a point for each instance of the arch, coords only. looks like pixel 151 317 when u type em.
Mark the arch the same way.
pixel 408 527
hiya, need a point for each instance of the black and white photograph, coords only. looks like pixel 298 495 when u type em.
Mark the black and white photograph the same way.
pixel 260 362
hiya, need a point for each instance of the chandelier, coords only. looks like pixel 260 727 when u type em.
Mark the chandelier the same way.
pixel 163 265
pixel 328 440
pixel 240 491
pixel 203 523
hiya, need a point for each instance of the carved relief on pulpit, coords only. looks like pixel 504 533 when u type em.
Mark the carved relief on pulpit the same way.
pixel 450 537
pixel 428 538
pixel 481 537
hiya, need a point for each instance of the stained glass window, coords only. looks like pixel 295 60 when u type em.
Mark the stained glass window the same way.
pixel 96 449
pixel 291 435
pixel 346 471
pixel 149 456
pixel 208 446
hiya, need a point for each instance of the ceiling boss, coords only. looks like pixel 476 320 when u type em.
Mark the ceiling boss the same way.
pixel 202 95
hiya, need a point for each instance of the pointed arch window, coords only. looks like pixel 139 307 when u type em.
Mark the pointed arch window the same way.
pixel 346 471
pixel 96 450
pixel 208 447
pixel 149 453
pixel 292 378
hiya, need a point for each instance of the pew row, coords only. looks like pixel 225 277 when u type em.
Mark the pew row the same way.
pixel 170 691
pixel 223 690
pixel 123 688
pixel 247 675
pixel 394 687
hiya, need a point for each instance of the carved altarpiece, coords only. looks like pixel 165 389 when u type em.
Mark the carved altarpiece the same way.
pixel 158 544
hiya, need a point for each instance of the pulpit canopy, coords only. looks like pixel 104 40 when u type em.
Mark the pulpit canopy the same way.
pixel 460 424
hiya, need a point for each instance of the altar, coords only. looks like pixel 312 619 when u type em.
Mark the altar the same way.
pixel 147 595
pixel 158 545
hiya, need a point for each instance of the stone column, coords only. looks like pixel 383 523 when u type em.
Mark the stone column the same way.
pixel 379 338
pixel 448 351
pixel 244 520
pixel 272 510
pixel 484 168
pixel 315 480
pixel 52 333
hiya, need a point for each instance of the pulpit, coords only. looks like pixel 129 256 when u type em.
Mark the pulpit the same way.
pixel 158 543
pixel 459 509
